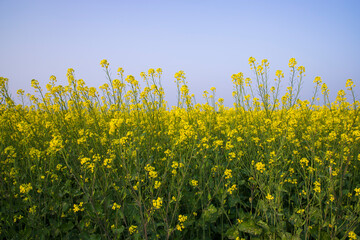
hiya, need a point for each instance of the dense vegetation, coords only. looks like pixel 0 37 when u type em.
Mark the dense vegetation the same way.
pixel 116 163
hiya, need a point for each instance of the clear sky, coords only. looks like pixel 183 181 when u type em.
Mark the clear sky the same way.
pixel 209 40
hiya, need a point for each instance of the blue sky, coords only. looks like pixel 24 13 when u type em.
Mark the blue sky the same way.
pixel 209 40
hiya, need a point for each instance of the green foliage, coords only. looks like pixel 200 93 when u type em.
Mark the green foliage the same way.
pixel 75 164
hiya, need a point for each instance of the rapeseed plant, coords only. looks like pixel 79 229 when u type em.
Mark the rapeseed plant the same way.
pixel 116 162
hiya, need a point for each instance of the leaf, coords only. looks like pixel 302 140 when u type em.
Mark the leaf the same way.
pixel 263 225
pixel 285 236
pixel 65 207
pixel 67 226
pixel 84 236
pixel 232 233
pixel 210 214
pixel 296 220
pixel 95 237
pixel 250 227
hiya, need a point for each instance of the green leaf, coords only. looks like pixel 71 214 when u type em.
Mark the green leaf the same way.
pixel 285 236
pixel 119 230
pixel 263 225
pixel 65 207
pixel 232 233
pixel 95 237
pixel 67 226
pixel 84 236
pixel 210 214
pixel 250 227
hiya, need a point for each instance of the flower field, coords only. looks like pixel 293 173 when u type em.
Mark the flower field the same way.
pixel 78 162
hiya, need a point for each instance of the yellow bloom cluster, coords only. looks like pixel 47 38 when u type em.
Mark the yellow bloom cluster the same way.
pixel 77 143
pixel 352 235
pixel 157 184
pixel 157 203
pixel 25 188
pixel 317 187
pixel 357 191
pixel 115 206
pixel 228 173
pixel 194 183
pixel 260 167
pixel 78 207
pixel 151 170
pixel 133 229
pixel 269 197
pixel 181 219
pixel 231 189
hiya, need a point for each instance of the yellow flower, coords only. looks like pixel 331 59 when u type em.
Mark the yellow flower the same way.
pixel 304 162
pixel 78 208
pixel 157 203
pixel 260 166
pixel 17 218
pixel 157 184
pixel 32 209
pixel 151 71
pixel 265 62
pixel 260 69
pixel 228 173
pixel 231 189
pixel 153 174
pixel 25 188
pixel 300 211
pixel 120 70
pixel 194 183
pixel 159 70
pixel 279 73
pixel 301 69
pixel 251 60
pixel 317 187
pixel 104 63
pixel 269 197
pixel 357 191
pixel 115 206
pixel 349 84
pixel 133 229
pixel 324 89
pixel 182 218
pixel 180 227
pixel 292 62
pixel 352 235
pixel 175 165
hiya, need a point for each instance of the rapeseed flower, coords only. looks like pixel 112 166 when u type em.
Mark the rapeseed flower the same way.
pixel 25 188
pixel 133 229
pixel 194 183
pixel 157 203
pixel 352 235
pixel 157 184
pixel 269 197
pixel 228 173
pixel 260 167
pixel 78 207
pixel 115 206
pixel 317 187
